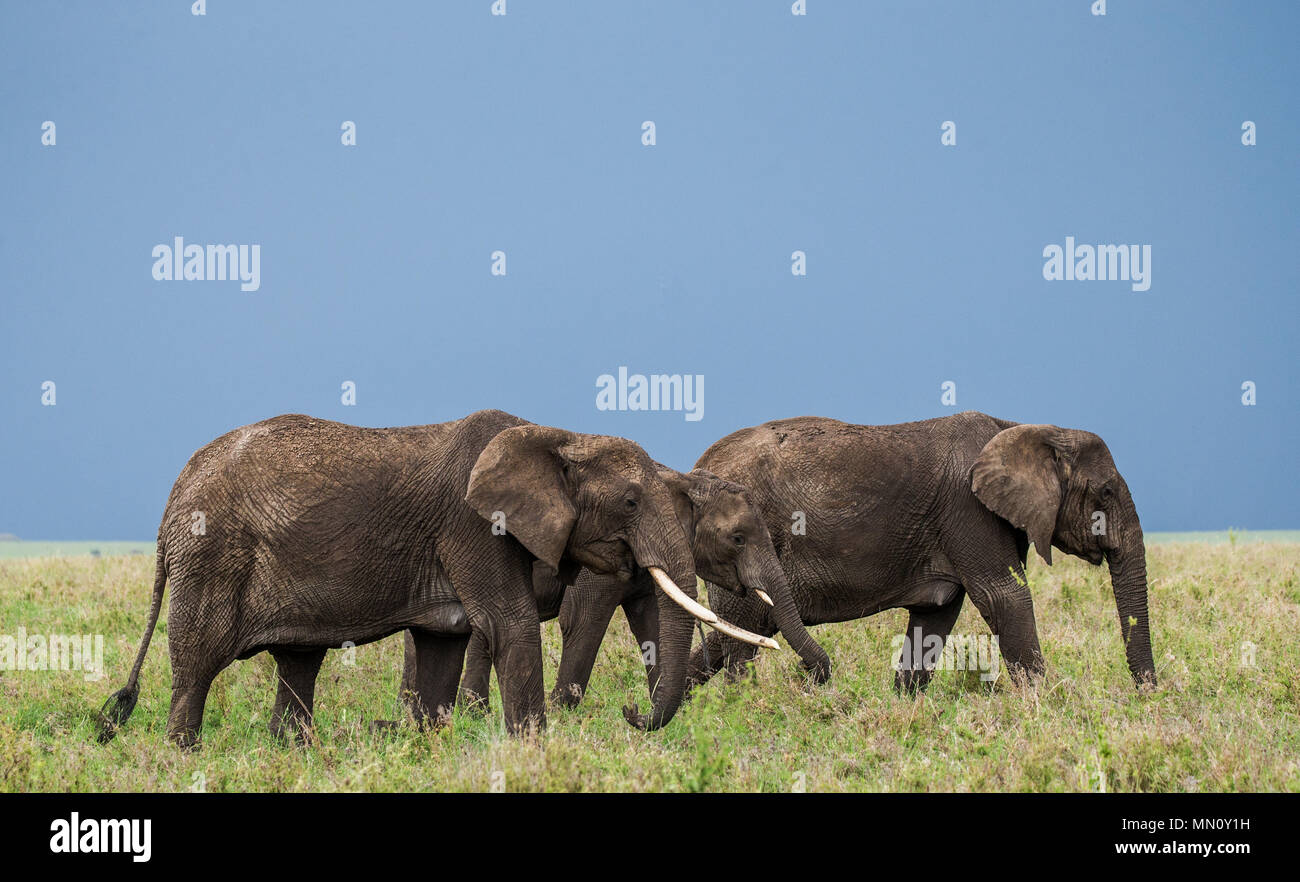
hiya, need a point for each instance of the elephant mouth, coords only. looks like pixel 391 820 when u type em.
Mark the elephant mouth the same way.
pixel 740 589
pixel 728 580
pixel 610 557
pixel 743 587
pixel 762 595
pixel 730 587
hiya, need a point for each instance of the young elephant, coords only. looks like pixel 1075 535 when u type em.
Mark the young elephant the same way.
pixel 732 550
pixel 295 534
pixel 921 514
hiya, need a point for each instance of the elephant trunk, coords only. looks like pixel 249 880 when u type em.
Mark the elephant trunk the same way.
pixel 772 579
pixel 672 650
pixel 1128 579
pixel 676 628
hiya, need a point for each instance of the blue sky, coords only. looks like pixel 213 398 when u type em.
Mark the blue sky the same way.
pixel 522 133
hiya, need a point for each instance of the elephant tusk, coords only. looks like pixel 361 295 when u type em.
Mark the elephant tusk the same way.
pixel 681 598
pixel 762 595
pixel 747 636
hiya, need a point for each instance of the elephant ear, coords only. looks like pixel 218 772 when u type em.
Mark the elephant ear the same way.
pixel 521 474
pixel 685 490
pixel 1017 478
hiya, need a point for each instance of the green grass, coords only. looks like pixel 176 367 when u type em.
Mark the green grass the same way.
pixel 1230 536
pixel 15 548
pixel 1213 724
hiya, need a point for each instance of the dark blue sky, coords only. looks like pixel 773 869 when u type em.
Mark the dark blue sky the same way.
pixel 522 133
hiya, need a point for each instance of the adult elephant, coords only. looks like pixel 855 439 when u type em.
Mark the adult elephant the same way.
pixel 296 534
pixel 732 549
pixel 921 514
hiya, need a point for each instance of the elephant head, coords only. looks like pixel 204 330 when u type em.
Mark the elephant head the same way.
pixel 734 551
pixel 1061 487
pixel 597 501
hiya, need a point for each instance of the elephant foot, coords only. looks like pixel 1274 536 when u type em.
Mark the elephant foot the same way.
pixel 910 683
pixel 422 724
pixel 567 697
pixel 293 729
pixel 473 702
pixel 186 741
pixel 434 722
pixel 1145 682
pixel 741 670
pixel 1026 674
pixel 428 720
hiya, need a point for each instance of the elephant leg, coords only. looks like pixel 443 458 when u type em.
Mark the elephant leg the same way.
pixel 438 661
pixel 584 619
pixel 724 653
pixel 1012 622
pixel 185 719
pixel 494 582
pixel 409 669
pixel 478 674
pixel 405 692
pixel 706 660
pixel 295 693
pixel 190 685
pixel 927 629
pixel 746 612
pixel 643 617
pixel 997 585
pixel 195 664
pixel 736 655
pixel 517 657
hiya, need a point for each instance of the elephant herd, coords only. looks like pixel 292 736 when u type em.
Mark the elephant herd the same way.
pixel 295 535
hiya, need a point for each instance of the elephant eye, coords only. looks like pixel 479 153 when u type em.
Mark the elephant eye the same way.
pixel 738 539
pixel 629 504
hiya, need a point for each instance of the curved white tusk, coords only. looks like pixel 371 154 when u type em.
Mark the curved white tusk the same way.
pixel 762 595
pixel 681 598
pixel 748 636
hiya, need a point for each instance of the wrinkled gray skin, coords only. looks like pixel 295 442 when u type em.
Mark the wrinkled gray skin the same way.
pixel 319 533
pixel 920 515
pixel 733 551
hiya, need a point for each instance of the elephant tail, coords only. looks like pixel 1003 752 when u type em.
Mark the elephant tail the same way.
pixel 117 710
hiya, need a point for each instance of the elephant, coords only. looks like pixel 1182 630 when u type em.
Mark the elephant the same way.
pixel 918 516
pixel 296 534
pixel 732 550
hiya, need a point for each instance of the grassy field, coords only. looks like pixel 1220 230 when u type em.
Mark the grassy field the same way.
pixel 1216 723
pixel 72 549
